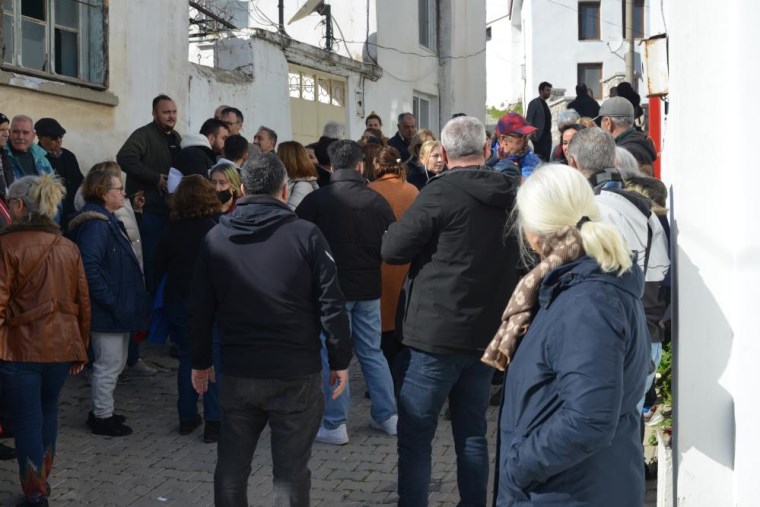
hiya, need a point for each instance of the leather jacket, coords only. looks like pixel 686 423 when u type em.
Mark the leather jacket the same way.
pixel 44 299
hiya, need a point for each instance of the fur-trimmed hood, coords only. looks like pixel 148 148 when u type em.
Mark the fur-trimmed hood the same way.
pixel 85 216
pixel 34 222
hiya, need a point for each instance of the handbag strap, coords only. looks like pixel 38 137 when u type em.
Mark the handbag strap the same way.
pixel 37 264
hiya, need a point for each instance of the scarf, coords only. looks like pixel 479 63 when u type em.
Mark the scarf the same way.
pixel 558 249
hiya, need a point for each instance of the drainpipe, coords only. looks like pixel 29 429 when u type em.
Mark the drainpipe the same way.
pixel 629 36
pixel 655 129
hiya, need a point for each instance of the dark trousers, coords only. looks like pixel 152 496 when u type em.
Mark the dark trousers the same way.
pixel 152 227
pixel 293 409
pixel 187 397
pixel 32 391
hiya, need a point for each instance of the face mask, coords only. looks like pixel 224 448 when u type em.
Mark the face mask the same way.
pixel 224 196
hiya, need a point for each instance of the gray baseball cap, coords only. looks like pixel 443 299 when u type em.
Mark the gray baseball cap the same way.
pixel 616 107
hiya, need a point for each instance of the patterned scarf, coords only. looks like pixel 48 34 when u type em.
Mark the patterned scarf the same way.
pixel 558 249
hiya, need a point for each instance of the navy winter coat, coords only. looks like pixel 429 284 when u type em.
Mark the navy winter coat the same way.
pixel 117 291
pixel 569 425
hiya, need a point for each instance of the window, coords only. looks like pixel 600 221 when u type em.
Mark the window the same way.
pixel 64 39
pixel 425 110
pixel 638 19
pixel 315 98
pixel 427 21
pixel 588 21
pixel 591 74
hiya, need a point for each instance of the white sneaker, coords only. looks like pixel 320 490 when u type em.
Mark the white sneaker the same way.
pixel 338 436
pixel 388 426
pixel 141 369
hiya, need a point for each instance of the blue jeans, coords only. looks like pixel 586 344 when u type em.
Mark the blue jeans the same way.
pixel 365 338
pixel 31 393
pixel 293 408
pixel 429 380
pixel 655 355
pixel 187 400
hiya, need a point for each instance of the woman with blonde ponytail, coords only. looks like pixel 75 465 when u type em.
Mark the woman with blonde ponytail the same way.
pixel 570 425
pixel 44 324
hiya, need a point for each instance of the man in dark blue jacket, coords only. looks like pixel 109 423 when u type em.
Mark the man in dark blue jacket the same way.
pixel 269 282
pixel 463 270
pixel 354 218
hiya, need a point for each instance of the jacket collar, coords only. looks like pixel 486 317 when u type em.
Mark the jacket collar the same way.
pixel 346 175
pixel 606 179
pixel 34 222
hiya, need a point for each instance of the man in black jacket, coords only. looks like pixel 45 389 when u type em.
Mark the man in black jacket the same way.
pixel 269 282
pixel 584 103
pixel 199 151
pixel 50 136
pixel 462 273
pixel 407 127
pixel 540 116
pixel 354 218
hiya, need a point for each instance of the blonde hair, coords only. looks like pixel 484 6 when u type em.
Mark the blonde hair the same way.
pixel 427 149
pixel 556 196
pixel 40 194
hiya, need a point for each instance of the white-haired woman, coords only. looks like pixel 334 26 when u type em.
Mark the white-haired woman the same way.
pixel 569 421
pixel 44 324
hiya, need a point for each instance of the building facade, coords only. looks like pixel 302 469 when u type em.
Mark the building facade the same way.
pixel 564 42
pixel 390 57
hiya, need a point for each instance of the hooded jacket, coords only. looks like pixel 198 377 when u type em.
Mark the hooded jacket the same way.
pixel 463 267
pixel 39 155
pixel 45 307
pixel 195 157
pixel 569 421
pixel 640 146
pixel 117 291
pixel 269 282
pixel 353 219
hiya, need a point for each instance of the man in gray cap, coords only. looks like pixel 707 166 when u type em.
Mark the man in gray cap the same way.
pixel 616 116
pixel 50 137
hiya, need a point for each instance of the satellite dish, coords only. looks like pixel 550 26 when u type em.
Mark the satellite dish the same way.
pixel 615 42
pixel 309 7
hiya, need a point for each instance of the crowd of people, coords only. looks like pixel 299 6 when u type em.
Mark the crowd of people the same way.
pixel 268 265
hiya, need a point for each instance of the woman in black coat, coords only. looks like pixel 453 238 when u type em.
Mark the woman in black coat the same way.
pixel 194 206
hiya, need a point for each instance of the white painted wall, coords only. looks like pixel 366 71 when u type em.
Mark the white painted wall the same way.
pixel 143 63
pixel 717 442
pixel 545 38
pixel 391 28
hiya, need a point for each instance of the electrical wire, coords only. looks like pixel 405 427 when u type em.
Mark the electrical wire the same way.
pixel 412 53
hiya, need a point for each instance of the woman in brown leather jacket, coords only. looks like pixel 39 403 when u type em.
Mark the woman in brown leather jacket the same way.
pixel 44 324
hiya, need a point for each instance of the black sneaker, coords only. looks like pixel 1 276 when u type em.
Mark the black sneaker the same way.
pixel 188 426
pixel 110 427
pixel 211 432
pixel 116 417
pixel 7 452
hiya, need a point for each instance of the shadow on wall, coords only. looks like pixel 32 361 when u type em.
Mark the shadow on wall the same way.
pixel 703 410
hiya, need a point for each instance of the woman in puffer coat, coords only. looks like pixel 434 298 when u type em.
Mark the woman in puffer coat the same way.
pixel 117 291
pixel 569 425
pixel 44 324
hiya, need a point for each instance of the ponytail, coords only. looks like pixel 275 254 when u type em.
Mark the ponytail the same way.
pixel 603 243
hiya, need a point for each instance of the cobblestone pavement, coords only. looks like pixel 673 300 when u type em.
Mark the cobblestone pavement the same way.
pixel 155 466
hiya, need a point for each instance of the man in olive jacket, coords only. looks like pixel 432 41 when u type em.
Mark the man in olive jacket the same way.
pixel 462 273
pixel 146 158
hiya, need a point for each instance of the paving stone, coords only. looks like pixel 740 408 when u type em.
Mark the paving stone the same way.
pixel 156 462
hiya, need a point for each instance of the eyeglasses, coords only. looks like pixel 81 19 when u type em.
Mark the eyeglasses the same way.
pixel 120 189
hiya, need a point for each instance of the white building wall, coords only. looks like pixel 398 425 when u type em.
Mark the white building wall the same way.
pixel 391 27
pixel 545 38
pixel 715 209
pixel 143 62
